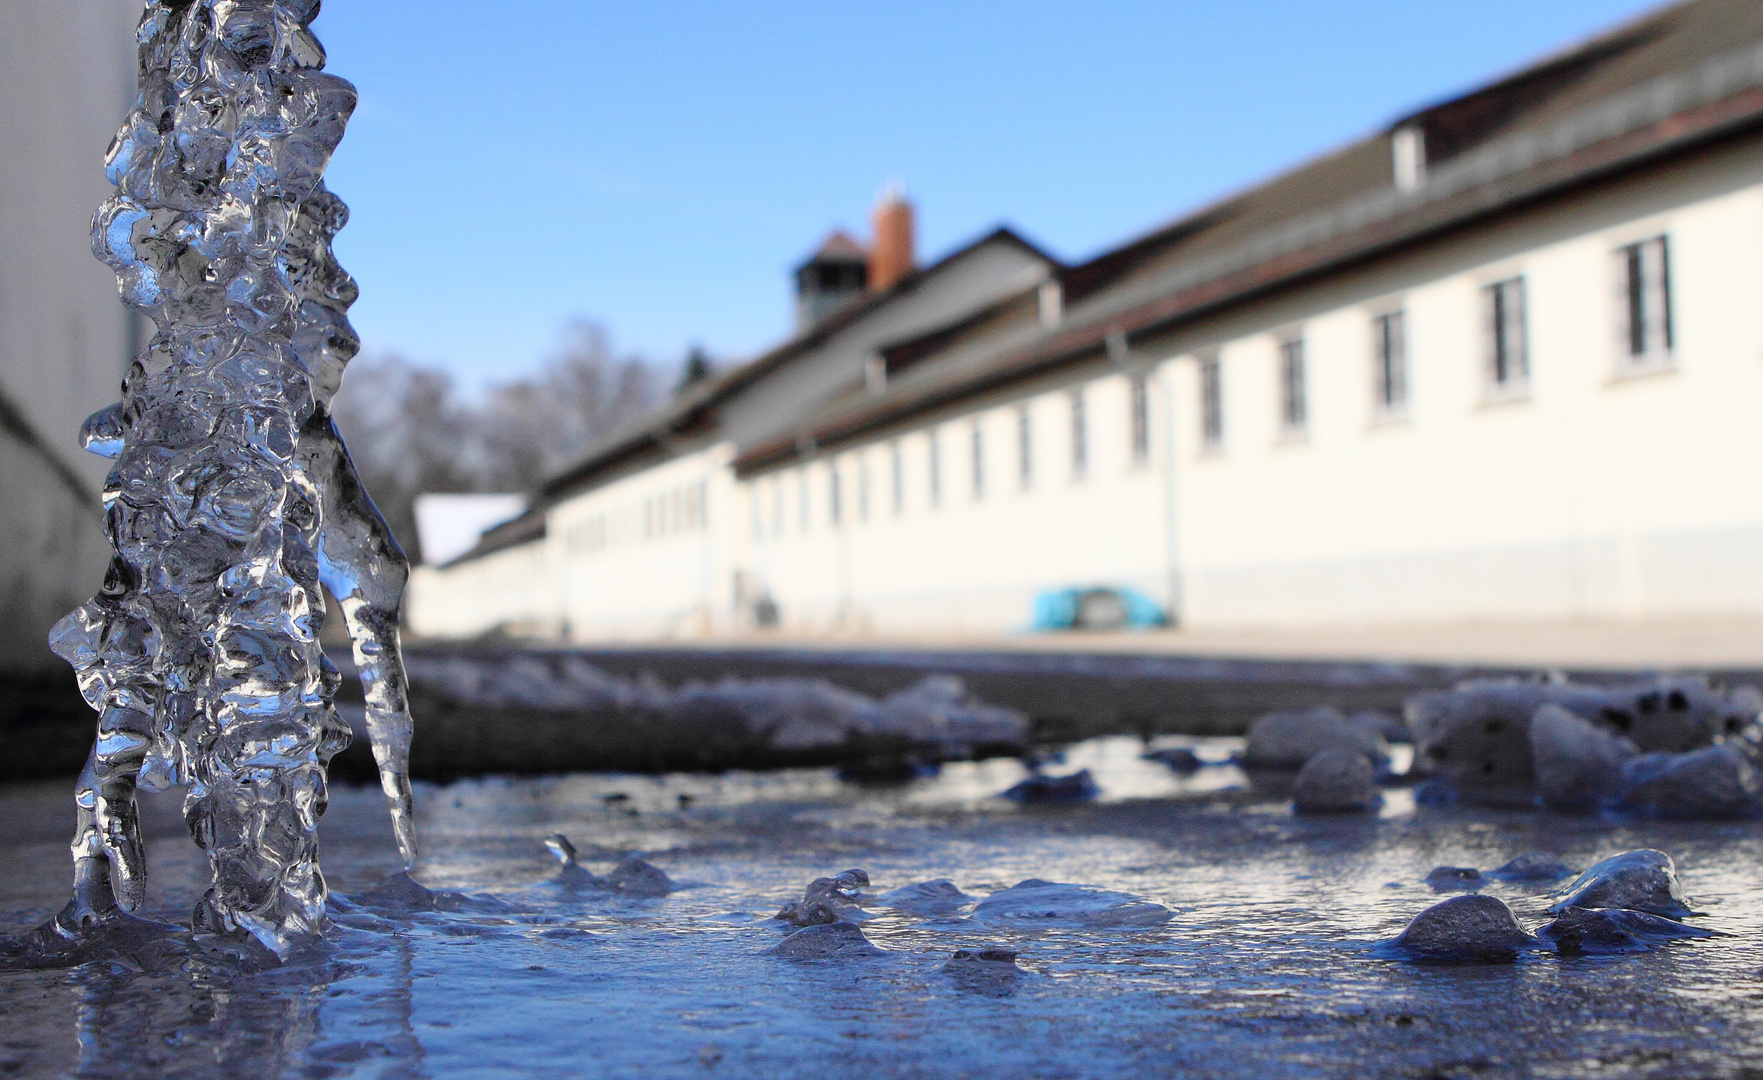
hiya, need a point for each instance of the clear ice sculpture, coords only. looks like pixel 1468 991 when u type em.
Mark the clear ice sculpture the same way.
pixel 232 496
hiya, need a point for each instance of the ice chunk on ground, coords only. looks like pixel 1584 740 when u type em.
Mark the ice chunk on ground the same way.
pixel 939 897
pixel 1335 780
pixel 1714 782
pixel 788 714
pixel 1472 928
pixel 826 941
pixel 1599 931
pixel 1532 866
pixel 1477 736
pixel 1381 724
pixel 633 876
pixel 827 900
pixel 933 720
pixel 1079 786
pixel 1672 713
pixel 1286 740
pixel 1640 880
pixel 114 937
pixel 1578 764
pixel 1455 879
pixel 1055 904
pixel 938 710
pixel 636 876
pixel 402 894
pixel 998 956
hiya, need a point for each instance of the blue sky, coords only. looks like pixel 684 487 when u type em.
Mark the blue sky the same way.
pixel 660 167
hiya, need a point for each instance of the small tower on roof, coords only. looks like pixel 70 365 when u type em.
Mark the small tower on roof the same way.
pixel 835 275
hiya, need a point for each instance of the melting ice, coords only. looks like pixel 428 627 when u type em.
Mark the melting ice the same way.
pixel 232 497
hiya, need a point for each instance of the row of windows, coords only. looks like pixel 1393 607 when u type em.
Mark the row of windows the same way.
pixel 978 477
pixel 1643 277
pixel 683 509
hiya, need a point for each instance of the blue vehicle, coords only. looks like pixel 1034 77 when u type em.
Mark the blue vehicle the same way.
pixel 1097 607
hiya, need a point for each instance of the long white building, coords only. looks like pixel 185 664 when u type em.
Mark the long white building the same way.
pixel 1502 360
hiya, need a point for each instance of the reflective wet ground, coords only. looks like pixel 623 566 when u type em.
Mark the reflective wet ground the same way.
pixel 1265 970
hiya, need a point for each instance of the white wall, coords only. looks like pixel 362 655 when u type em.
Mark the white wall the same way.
pixel 1595 495
pixel 67 77
pixel 1590 495
pixel 512 590
pixel 969 561
pixel 646 556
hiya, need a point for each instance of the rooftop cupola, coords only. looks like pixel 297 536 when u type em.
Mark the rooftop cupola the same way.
pixel 835 275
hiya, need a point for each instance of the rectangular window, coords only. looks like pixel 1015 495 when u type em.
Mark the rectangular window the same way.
pixel 802 497
pixel 834 508
pixel 1389 346
pixel 1211 402
pixel 936 468
pixel 753 512
pixel 862 486
pixel 777 505
pixel 1508 364
pixel 979 461
pixel 1294 406
pixel 1644 274
pixel 1080 440
pixel 1025 448
pixel 1139 422
pixel 899 478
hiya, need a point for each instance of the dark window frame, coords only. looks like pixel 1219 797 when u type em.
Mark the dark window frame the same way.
pixel 1506 337
pixel 1294 389
pixel 1211 377
pixel 1139 419
pixel 1390 366
pixel 1648 334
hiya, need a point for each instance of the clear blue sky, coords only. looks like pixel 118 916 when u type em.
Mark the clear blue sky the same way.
pixel 660 167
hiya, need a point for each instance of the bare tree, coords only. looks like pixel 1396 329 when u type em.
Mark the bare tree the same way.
pixel 407 432
pixel 410 432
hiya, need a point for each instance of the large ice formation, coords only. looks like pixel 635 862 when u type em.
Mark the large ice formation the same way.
pixel 232 496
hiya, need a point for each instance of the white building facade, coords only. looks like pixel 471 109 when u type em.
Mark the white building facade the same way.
pixel 1499 362
pixel 67 76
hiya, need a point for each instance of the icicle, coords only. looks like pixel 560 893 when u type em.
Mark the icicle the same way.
pixel 232 497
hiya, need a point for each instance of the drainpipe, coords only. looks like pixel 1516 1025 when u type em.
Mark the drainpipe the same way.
pixel 1172 550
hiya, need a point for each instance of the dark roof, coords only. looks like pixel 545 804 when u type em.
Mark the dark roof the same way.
pixel 1672 41
pixel 1662 85
pixel 524 529
pixel 839 246
pixel 1017 309
pixel 690 413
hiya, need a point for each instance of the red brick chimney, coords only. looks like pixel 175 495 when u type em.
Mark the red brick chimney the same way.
pixel 890 255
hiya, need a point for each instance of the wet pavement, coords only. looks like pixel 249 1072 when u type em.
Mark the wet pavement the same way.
pixel 1266 968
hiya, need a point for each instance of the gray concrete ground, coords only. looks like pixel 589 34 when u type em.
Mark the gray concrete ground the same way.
pixel 1684 644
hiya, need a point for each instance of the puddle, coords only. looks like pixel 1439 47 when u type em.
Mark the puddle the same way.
pixel 1264 969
